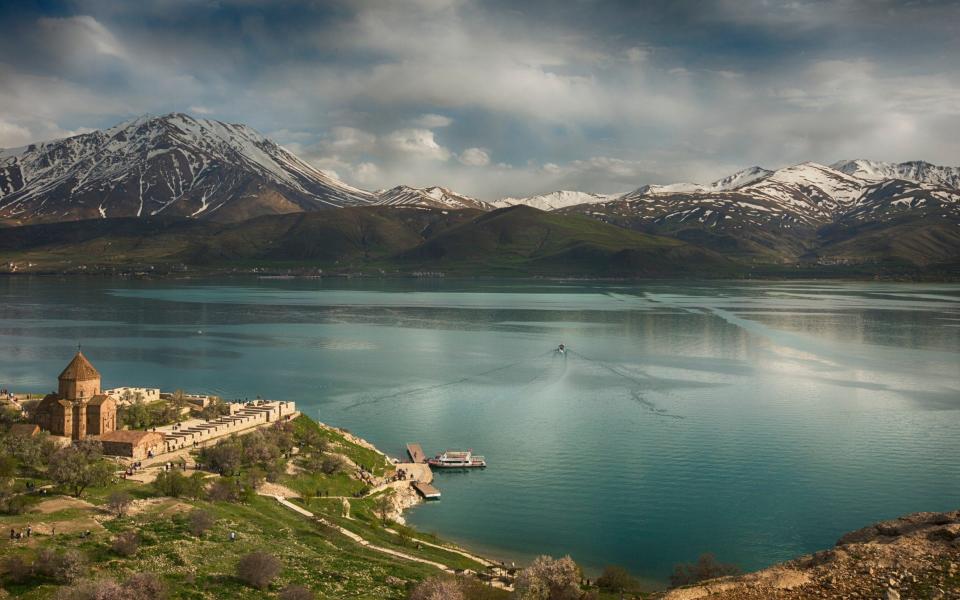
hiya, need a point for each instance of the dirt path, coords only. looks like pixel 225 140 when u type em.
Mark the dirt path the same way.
pixel 360 540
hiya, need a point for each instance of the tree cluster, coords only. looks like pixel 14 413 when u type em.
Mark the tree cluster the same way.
pixel 80 466
pixel 264 450
pixel 63 566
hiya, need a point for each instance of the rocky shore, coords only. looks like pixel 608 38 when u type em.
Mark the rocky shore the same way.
pixel 914 557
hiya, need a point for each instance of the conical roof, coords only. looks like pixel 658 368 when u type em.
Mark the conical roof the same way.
pixel 79 369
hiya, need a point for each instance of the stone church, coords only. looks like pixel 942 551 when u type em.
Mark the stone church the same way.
pixel 78 409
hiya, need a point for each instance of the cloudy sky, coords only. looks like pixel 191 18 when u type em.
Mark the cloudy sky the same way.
pixel 503 97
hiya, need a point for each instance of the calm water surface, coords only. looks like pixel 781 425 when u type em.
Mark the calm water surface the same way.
pixel 754 420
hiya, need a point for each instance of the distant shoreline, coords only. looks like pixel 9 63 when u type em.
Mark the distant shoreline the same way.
pixel 202 275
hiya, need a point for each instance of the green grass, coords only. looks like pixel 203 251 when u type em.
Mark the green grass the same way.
pixel 312 553
pixel 372 460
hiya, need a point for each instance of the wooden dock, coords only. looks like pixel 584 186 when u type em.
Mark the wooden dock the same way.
pixel 416 453
pixel 426 490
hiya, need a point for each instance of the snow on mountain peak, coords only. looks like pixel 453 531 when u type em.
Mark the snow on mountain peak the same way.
pixel 174 164
pixel 556 200
pixel 915 170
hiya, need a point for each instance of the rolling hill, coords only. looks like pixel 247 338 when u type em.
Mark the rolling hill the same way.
pixel 511 241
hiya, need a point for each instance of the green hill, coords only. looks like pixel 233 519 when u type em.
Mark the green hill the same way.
pixel 524 239
pixel 513 241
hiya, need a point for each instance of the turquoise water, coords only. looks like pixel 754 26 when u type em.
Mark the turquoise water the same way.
pixel 754 420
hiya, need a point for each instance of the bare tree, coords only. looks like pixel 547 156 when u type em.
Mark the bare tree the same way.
pixel 119 501
pixel 200 521
pixel 383 505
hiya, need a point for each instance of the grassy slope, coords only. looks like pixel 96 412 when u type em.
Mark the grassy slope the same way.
pixel 312 554
pixel 517 241
pixel 524 239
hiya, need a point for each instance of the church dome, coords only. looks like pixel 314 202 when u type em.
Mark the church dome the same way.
pixel 79 369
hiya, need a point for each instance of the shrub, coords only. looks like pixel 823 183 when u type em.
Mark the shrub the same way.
pixel 171 483
pixel 145 586
pixel 334 464
pixel 17 569
pixel 617 579
pixel 223 490
pixel 119 501
pixel 126 544
pixel 104 589
pixel 258 569
pixel 200 521
pixel 226 456
pixel 706 567
pixel 14 505
pixel 142 586
pixel 437 588
pixel 383 505
pixel 195 486
pixel 296 592
pixel 65 567
pixel 549 579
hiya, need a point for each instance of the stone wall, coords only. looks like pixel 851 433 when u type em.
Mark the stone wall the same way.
pixel 243 417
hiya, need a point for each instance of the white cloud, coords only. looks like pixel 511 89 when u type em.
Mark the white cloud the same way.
pixel 350 139
pixel 475 157
pixel 416 143
pixel 637 54
pixel 431 121
pixel 13 135
pixel 82 33
pixel 200 110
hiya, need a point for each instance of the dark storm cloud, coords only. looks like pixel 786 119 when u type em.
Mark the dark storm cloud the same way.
pixel 497 98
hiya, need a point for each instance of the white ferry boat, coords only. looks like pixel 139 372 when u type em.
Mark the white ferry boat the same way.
pixel 456 459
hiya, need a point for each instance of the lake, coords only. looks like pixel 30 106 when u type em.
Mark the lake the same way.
pixel 755 420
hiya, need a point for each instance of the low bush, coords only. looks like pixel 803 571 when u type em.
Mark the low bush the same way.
pixel 334 464
pixel 258 569
pixel 126 544
pixel 200 521
pixel 141 586
pixel 706 567
pixel 297 592
pixel 17 569
pixel 617 579
pixel 65 567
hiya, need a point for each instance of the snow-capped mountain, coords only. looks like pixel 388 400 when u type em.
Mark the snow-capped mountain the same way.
pixel 432 197
pixel 169 165
pixel 779 213
pixel 915 170
pixel 730 182
pixel 556 200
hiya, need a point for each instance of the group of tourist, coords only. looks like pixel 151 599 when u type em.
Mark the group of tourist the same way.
pixel 19 535
pixel 133 468
pixel 402 475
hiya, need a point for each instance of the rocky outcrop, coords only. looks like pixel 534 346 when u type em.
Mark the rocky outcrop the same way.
pixel 916 556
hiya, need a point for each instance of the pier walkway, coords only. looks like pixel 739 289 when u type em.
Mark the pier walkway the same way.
pixel 426 490
pixel 416 453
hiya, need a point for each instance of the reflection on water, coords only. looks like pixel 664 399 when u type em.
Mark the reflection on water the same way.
pixel 754 420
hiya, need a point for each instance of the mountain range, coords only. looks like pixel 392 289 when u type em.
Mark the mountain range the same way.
pixel 177 166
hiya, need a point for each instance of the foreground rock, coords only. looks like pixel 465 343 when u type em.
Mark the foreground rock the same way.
pixel 917 557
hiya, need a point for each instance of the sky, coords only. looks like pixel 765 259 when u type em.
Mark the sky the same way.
pixel 503 98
